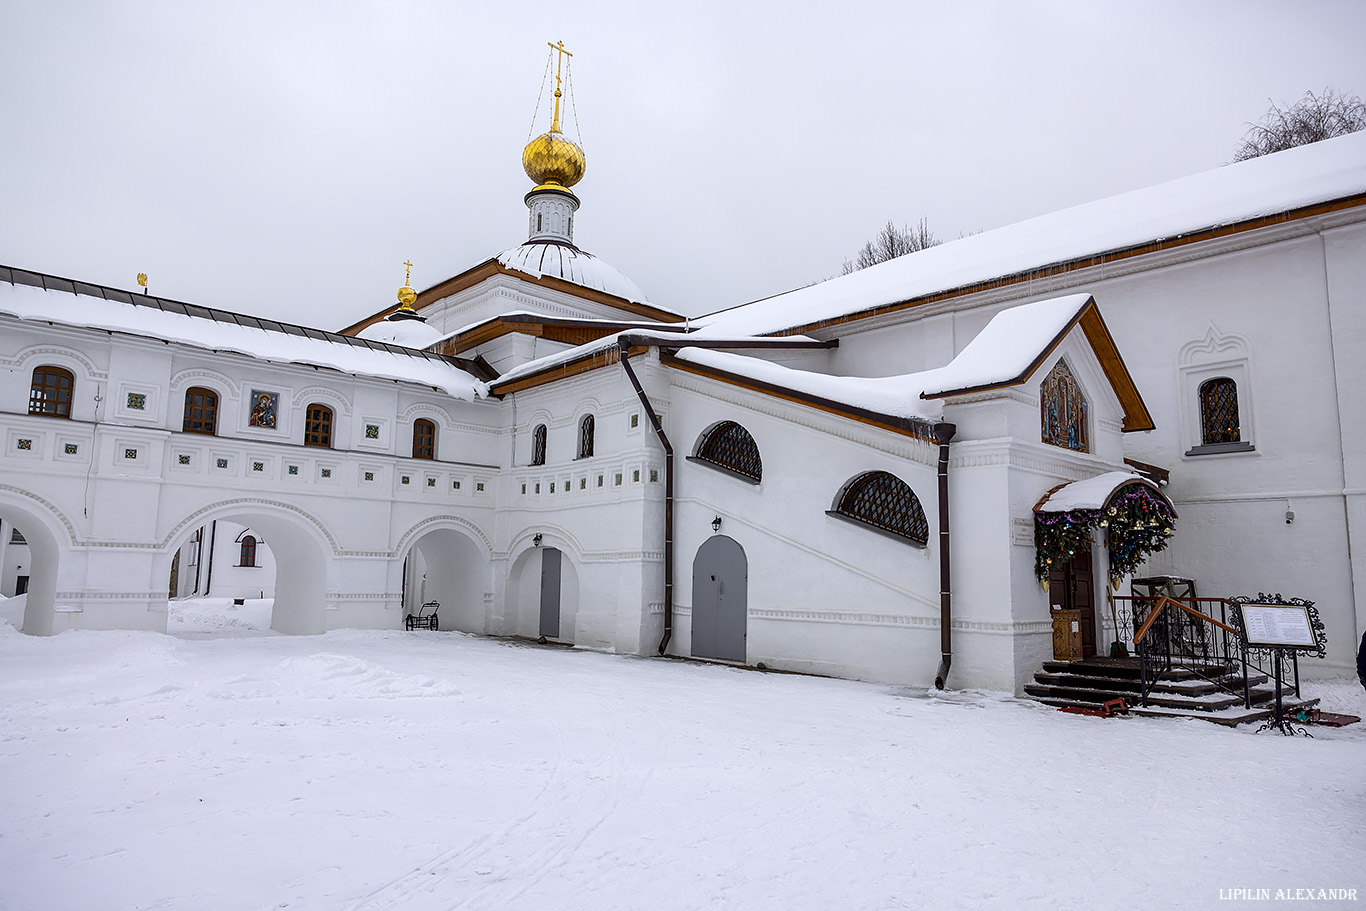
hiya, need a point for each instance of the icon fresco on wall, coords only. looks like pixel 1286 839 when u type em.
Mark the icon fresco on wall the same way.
pixel 264 406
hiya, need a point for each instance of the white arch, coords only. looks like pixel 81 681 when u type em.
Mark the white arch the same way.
pixel 474 532
pixel 43 526
pixel 77 361
pixel 221 509
pixel 203 376
pixel 321 394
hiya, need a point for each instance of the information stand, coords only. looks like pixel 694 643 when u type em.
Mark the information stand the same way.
pixel 1285 628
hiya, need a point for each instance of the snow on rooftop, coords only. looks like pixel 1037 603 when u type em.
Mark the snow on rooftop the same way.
pixel 33 303
pixel 531 317
pixel 1247 190
pixel 1005 348
pixel 897 396
pixel 571 265
pixel 409 333
pixel 1001 352
pixel 1090 493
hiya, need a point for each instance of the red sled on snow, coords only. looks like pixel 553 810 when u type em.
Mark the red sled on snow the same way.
pixel 1110 708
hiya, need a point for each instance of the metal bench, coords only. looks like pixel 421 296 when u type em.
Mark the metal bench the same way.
pixel 425 618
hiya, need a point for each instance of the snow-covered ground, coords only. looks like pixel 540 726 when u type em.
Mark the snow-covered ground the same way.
pixel 224 767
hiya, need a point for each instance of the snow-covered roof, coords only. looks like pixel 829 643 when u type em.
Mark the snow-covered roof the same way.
pixel 218 330
pixel 531 318
pixel 572 265
pixel 1092 493
pixel 410 333
pixel 1006 348
pixel 1237 193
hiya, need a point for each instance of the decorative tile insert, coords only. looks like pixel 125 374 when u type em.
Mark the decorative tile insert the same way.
pixel 617 481
pixel 635 421
pixel 538 486
pixel 370 476
pixel 327 472
pixel 479 487
pixel 455 485
pixel 258 466
pixel 583 483
pixel 552 486
pixel 372 432
pixel 71 449
pixel 431 482
pixel 137 401
pixel 294 469
pixel 222 463
pixel 523 488
pixel 183 459
pixel 599 480
pixel 130 453
pixel 403 480
pixel 654 475
pixel 23 444
pixel 635 476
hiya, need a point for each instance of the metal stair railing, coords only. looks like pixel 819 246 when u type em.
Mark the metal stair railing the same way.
pixel 1208 648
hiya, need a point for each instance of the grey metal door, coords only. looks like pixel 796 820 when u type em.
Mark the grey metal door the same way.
pixel 720 581
pixel 550 593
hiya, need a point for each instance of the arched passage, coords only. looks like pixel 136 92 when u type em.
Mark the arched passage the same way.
pixel 720 595
pixel 543 593
pixel 301 557
pixel 447 566
pixel 40 533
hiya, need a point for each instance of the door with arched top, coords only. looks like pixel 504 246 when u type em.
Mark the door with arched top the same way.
pixel 720 583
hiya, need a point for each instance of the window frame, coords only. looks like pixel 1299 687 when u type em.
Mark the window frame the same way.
pixel 315 434
pixel 425 450
pixel 855 488
pixel 247 555
pixel 538 444
pixel 709 442
pixel 43 399
pixel 212 421
pixel 587 432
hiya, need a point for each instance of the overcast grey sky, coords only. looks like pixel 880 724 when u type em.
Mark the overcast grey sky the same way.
pixel 285 158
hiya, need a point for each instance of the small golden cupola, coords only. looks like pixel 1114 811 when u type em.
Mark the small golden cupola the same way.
pixel 554 162
pixel 406 296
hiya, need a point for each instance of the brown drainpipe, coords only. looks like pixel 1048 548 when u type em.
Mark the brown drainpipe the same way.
pixel 944 431
pixel 624 344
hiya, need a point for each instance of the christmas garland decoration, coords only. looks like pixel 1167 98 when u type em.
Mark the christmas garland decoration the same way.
pixel 1136 523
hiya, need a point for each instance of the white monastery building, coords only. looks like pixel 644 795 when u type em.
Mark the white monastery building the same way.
pixel 865 478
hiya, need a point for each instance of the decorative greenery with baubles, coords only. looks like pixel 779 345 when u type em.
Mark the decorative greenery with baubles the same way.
pixel 1137 523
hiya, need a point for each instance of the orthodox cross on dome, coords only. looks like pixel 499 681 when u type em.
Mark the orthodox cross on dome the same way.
pixel 560 52
pixel 407 272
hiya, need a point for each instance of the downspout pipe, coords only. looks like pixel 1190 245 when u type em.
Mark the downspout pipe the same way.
pixel 944 432
pixel 624 345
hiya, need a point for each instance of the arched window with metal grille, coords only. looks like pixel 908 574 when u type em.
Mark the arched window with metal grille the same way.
pixel 1219 412
pixel 248 552
pixel 885 502
pixel 1063 410
pixel 729 446
pixel 424 439
pixel 318 425
pixel 201 411
pixel 50 392
pixel 538 445
pixel 586 436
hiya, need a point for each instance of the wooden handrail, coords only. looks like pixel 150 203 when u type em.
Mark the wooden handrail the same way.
pixel 1170 597
pixel 1163 602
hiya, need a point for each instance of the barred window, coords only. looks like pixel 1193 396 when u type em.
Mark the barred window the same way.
pixel 538 445
pixel 586 436
pixel 885 501
pixel 1219 411
pixel 50 392
pixel 248 552
pixel 1064 410
pixel 318 425
pixel 424 439
pixel 201 411
pixel 731 447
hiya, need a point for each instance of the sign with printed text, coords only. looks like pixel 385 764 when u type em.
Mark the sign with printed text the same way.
pixel 1278 624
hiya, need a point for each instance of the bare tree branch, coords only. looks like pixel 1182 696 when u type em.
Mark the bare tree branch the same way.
pixel 1311 119
pixel 891 242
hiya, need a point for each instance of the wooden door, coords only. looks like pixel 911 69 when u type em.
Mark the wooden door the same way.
pixel 1072 587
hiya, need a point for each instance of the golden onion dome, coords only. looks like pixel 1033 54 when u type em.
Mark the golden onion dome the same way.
pixel 553 161
pixel 406 296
